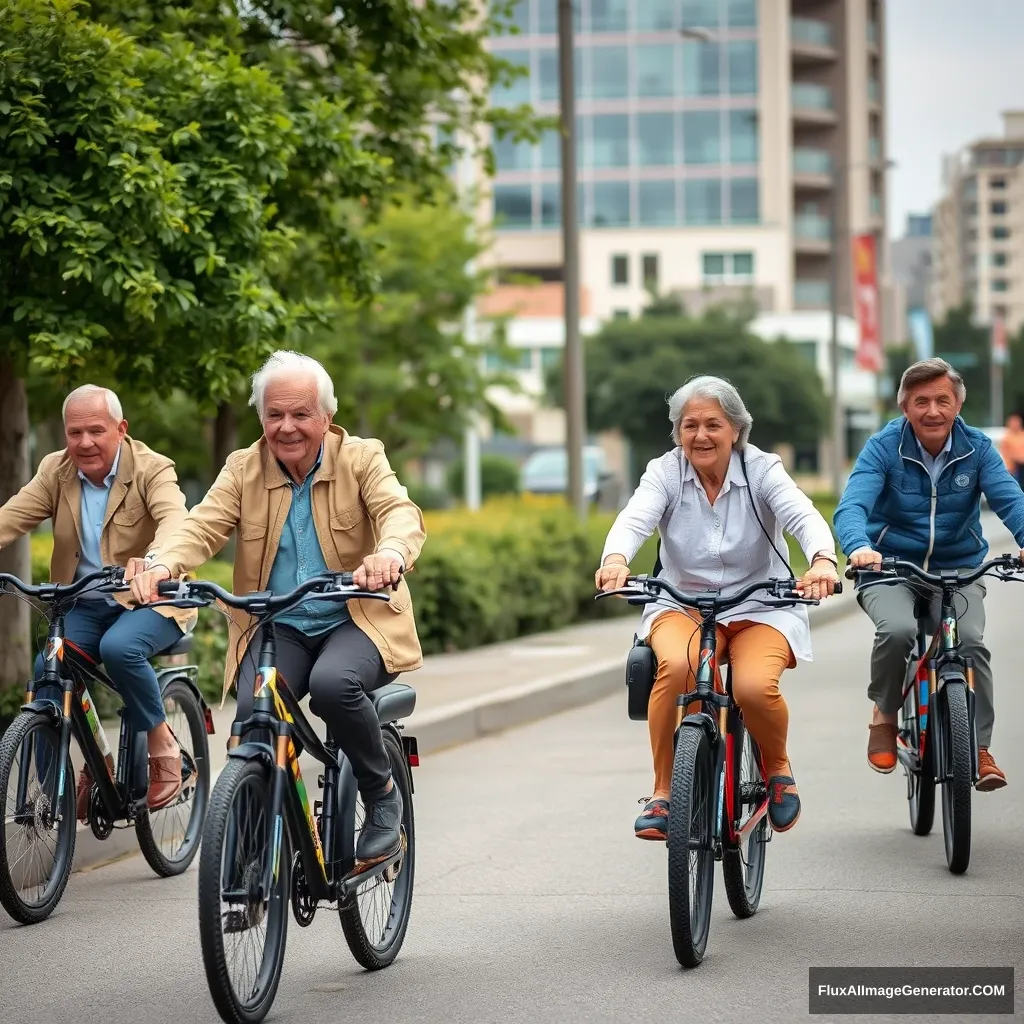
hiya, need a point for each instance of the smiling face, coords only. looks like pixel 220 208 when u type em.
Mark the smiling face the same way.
pixel 707 436
pixel 931 408
pixel 293 422
pixel 92 435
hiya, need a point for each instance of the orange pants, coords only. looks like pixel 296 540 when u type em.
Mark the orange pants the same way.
pixel 758 654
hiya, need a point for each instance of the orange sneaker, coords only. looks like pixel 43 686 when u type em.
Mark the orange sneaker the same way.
pixel 989 774
pixel 882 747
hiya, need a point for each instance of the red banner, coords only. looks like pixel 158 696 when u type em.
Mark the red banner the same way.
pixel 866 304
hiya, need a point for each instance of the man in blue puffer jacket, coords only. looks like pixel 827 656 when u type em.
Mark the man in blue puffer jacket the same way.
pixel 915 494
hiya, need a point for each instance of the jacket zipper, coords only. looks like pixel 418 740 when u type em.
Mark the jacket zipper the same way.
pixel 935 497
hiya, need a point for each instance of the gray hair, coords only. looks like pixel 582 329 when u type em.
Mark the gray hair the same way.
pixel 713 389
pixel 113 402
pixel 293 364
pixel 924 371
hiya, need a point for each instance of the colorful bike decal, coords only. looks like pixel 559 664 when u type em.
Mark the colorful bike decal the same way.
pixel 949 631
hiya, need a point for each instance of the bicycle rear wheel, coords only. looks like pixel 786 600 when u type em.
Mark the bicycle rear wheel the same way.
pixel 232 903
pixel 691 856
pixel 743 866
pixel 956 790
pixel 37 846
pixel 920 783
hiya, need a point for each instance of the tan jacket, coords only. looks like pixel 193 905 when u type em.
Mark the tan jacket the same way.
pixel 359 507
pixel 144 507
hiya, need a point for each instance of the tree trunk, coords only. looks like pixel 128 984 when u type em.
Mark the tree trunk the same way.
pixel 15 663
pixel 225 435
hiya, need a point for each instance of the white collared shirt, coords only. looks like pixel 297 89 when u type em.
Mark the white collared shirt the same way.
pixel 937 463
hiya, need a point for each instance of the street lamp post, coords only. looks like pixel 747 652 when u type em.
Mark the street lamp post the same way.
pixel 575 411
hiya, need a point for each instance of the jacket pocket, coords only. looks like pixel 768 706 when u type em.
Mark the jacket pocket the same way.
pixel 251 531
pixel 129 515
pixel 348 517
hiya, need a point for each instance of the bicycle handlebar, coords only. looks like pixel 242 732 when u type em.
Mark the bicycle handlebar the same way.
pixel 112 576
pixel 326 586
pixel 894 569
pixel 781 589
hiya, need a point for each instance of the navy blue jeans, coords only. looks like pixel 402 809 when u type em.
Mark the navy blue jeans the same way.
pixel 124 640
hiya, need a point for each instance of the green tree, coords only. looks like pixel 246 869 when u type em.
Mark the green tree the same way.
pixel 634 365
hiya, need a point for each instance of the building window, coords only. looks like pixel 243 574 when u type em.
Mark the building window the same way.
pixel 650 270
pixel 998 183
pixel 550 357
pixel 702 137
pixel 1000 285
pixel 743 68
pixel 547 74
pixel 610 207
pixel 997 208
pixel 609 73
pixel 657 203
pixel 551 150
pixel 620 314
pixel 656 138
pixel 698 13
pixel 728 267
pixel 743 201
pixel 743 136
pixel 743 265
pixel 521 16
pixel 656 15
pixel 742 13
pixel 550 204
pixel 523 360
pixel 1001 232
pixel 513 206
pixel 609 15
pixel 714 266
pixel 701 68
pixel 620 269
pixel 703 201
pixel 513 156
pixel 610 140
pixel 518 90
pixel 655 71
pixel 1000 259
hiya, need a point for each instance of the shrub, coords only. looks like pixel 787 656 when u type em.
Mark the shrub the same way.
pixel 499 476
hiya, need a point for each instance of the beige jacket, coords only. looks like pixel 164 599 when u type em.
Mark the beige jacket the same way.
pixel 359 507
pixel 145 506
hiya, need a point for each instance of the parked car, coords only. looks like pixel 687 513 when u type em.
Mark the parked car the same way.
pixel 547 472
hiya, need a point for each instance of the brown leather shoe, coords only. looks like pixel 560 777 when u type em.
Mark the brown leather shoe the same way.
pixel 882 747
pixel 85 781
pixel 164 781
pixel 989 774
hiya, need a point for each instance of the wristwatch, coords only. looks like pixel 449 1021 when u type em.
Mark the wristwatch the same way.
pixel 828 556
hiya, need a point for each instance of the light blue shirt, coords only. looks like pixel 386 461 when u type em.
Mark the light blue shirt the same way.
pixel 93 509
pixel 298 557
pixel 936 464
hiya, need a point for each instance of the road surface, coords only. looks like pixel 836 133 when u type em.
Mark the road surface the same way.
pixel 534 903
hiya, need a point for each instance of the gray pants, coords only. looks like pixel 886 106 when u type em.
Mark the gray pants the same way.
pixel 891 608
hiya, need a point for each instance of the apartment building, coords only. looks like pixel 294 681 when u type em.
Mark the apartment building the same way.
pixel 978 229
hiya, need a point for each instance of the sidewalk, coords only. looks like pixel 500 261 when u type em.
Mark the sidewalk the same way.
pixel 463 696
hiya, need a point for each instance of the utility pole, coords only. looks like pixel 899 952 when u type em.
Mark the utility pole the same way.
pixel 838 419
pixel 575 388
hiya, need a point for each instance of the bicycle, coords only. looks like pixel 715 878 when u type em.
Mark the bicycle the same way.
pixel 260 808
pixel 939 686
pixel 39 738
pixel 717 775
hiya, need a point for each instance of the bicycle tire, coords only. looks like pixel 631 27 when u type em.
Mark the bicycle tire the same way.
pixel 236 776
pixel 920 783
pixel 21 911
pixel 369 955
pixel 744 876
pixel 164 866
pixel 956 790
pixel 691 803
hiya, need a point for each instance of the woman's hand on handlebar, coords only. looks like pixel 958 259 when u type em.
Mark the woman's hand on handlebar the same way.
pixel 819 581
pixel 612 575
pixel 144 585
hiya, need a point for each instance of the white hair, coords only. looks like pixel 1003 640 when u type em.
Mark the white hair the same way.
pixel 113 402
pixel 713 389
pixel 293 364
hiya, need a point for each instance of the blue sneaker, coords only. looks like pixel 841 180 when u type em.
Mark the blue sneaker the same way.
pixel 783 802
pixel 653 823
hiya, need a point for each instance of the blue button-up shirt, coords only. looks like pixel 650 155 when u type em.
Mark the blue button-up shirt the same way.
pixel 936 464
pixel 93 509
pixel 298 557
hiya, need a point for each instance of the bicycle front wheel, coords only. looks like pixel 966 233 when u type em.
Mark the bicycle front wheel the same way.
pixel 956 790
pixel 37 846
pixel 691 855
pixel 242 928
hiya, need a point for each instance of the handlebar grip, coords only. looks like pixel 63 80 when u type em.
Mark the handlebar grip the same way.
pixel 837 589
pixel 168 588
pixel 851 573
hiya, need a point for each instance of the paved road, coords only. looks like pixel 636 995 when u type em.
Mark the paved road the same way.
pixel 534 903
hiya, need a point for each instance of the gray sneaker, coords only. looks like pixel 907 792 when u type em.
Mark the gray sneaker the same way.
pixel 381 834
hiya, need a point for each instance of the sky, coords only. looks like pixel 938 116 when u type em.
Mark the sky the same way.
pixel 952 67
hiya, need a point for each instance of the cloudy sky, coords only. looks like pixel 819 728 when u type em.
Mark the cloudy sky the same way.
pixel 953 66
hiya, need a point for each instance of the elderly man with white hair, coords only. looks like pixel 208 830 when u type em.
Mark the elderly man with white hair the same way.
pixel 708 499
pixel 308 498
pixel 111 500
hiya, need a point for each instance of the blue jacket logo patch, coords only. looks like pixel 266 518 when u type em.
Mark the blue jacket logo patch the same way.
pixel 962 479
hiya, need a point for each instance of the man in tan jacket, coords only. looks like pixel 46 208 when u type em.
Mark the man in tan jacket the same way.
pixel 110 498
pixel 309 498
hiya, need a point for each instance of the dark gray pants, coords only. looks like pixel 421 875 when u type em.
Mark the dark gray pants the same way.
pixel 891 608
pixel 336 669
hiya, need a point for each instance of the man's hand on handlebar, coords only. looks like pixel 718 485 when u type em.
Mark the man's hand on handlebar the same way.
pixel 145 583
pixel 377 572
pixel 866 558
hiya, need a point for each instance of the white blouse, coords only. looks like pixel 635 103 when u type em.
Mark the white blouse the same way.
pixel 721 546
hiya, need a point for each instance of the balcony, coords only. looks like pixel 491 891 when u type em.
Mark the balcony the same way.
pixel 811 294
pixel 811 41
pixel 811 233
pixel 873 35
pixel 812 104
pixel 812 168
pixel 874 92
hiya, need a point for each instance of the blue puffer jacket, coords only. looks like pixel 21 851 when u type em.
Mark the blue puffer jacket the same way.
pixel 889 503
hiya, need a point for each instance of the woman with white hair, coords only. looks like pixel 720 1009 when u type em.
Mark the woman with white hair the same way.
pixel 705 498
